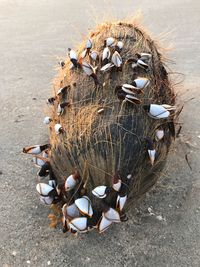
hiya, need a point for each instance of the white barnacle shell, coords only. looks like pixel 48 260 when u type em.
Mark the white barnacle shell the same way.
pixel 132 99
pixel 112 215
pixel 152 154
pixel 127 89
pixel 106 53
pixel 110 41
pixel 94 55
pixel 47 120
pixel 36 149
pixel 38 162
pixel 116 59
pixel 169 107
pixel 142 64
pixel 46 200
pixel 121 202
pixel 79 224
pixel 84 205
pixel 145 56
pixel 107 67
pixel 59 110
pixel 88 44
pixel 84 53
pixel 52 183
pixel 58 128
pixel 45 154
pixel 104 224
pixel 120 44
pixel 158 111
pixel 70 211
pixel 116 186
pixel 72 54
pixel 70 182
pixel 141 82
pixel 159 134
pixel 44 189
pixel 87 68
pixel 100 191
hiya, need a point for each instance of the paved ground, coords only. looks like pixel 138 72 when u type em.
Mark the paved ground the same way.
pixel 34 35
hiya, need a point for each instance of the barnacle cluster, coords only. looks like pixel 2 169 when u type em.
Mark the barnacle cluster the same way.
pixel 111 123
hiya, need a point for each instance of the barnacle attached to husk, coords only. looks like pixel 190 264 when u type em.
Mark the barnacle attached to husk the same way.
pixel 111 125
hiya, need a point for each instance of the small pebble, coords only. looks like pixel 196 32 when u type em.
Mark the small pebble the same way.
pixel 160 218
pixel 14 253
pixel 48 263
pixel 28 261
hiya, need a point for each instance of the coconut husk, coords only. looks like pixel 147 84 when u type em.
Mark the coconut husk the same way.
pixel 103 137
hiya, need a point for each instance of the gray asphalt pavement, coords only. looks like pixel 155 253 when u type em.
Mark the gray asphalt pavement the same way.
pixel 34 35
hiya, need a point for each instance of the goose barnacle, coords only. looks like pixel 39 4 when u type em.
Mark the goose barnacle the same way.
pixel 151 150
pixel 110 41
pixel 105 56
pixel 36 149
pixel 83 55
pixel 130 89
pixel 44 189
pixel 63 90
pixel 73 57
pixel 141 83
pixel 52 183
pixel 47 120
pixel 94 55
pixel 39 161
pixel 70 211
pixel 107 67
pixel 50 101
pixel 46 200
pixel 100 191
pixel 104 224
pixel 159 134
pixel 88 45
pixel 90 71
pixel 138 63
pixel 78 224
pixel 156 111
pixel 121 200
pixel 132 99
pixel 58 128
pixel 61 107
pixel 84 205
pixel 144 56
pixel 116 182
pixel 116 59
pixel 111 215
pixel 71 181
pixel 44 171
pixel 119 46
